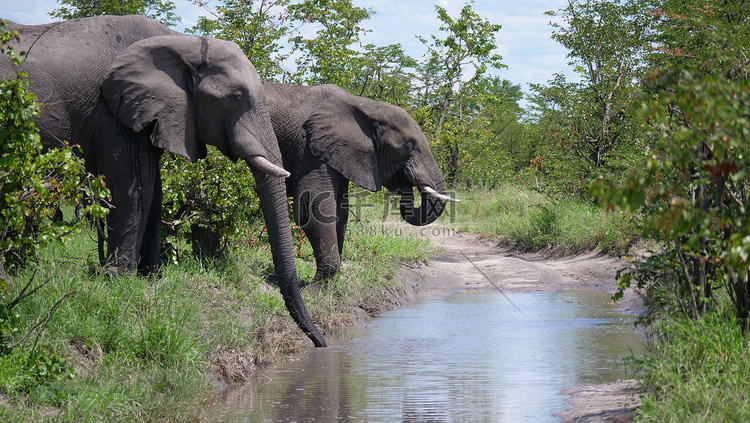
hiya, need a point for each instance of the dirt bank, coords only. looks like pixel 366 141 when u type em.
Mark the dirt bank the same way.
pixel 467 262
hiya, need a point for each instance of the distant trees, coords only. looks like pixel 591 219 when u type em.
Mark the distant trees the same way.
pixel 469 43
pixel 592 125
pixel 328 57
pixel 160 10
pixel 257 27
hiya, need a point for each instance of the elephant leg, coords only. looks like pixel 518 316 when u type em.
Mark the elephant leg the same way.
pixel 342 213
pixel 317 216
pixel 150 252
pixel 132 176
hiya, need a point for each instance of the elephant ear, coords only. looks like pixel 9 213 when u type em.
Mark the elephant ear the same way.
pixel 151 82
pixel 342 134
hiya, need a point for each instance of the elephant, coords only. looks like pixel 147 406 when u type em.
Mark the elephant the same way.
pixel 329 137
pixel 125 88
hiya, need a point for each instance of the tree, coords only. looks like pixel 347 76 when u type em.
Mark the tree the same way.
pixel 594 121
pixel 498 99
pixel 695 186
pixel 160 10
pixel 328 58
pixel 470 41
pixel 385 75
pixel 257 27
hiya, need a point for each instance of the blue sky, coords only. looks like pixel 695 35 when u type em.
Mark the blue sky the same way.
pixel 524 40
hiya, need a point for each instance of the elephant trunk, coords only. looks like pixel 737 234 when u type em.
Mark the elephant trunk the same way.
pixel 272 192
pixel 430 209
pixel 432 205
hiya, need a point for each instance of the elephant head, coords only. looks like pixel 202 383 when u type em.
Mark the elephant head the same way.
pixel 188 91
pixel 193 90
pixel 375 144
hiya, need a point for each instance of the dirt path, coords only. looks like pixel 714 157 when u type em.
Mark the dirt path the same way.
pixel 467 262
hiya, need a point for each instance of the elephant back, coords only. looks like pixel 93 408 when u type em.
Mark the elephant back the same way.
pixel 59 54
pixel 63 49
pixel 290 106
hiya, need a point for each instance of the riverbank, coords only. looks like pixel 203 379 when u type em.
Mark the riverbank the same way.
pixel 129 348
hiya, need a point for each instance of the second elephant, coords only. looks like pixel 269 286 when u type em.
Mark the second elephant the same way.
pixel 329 137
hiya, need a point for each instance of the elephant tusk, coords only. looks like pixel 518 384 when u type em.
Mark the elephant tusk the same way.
pixel 427 189
pixel 267 167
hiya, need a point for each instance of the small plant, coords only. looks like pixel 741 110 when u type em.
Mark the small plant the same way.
pixel 21 369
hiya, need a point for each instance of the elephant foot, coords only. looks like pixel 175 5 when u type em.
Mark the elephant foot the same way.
pixel 315 286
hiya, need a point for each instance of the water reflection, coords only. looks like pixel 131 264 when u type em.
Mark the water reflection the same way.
pixel 468 357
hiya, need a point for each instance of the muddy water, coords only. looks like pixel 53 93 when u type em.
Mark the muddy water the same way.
pixel 468 357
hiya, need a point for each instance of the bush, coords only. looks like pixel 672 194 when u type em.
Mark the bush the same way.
pixel 34 184
pixel 205 204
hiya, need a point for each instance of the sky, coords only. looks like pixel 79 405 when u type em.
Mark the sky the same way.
pixel 524 41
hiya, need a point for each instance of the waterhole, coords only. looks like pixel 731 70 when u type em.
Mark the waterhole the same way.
pixel 473 356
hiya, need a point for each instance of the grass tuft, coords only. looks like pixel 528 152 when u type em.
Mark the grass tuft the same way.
pixel 697 371
pixel 529 221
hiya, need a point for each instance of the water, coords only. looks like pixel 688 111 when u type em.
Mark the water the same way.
pixel 468 357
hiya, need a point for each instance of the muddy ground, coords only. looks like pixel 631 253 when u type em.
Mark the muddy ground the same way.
pixel 465 261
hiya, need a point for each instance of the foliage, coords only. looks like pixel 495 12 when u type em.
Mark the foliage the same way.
pixel 694 188
pixel 34 184
pixel 257 27
pixel 470 40
pixel 328 58
pixel 214 196
pixel 592 125
pixel 497 146
pixel 160 10
pixel 385 74
pixel 21 369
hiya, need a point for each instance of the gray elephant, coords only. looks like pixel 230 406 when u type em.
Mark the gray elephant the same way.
pixel 124 88
pixel 329 137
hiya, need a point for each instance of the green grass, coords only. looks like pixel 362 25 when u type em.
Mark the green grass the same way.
pixel 697 371
pixel 145 349
pixel 529 221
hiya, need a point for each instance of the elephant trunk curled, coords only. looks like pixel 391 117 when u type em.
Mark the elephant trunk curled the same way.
pixel 432 205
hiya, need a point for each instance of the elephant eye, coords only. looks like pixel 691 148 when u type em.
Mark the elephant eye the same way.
pixel 409 147
pixel 237 96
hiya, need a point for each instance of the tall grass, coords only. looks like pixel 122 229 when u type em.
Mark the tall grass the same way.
pixel 697 371
pixel 528 220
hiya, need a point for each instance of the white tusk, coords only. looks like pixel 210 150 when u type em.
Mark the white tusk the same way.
pixel 438 195
pixel 267 167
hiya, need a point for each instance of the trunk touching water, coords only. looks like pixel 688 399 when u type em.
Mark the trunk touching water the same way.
pixel 272 192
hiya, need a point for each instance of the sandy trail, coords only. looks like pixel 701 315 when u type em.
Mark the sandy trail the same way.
pixel 467 262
